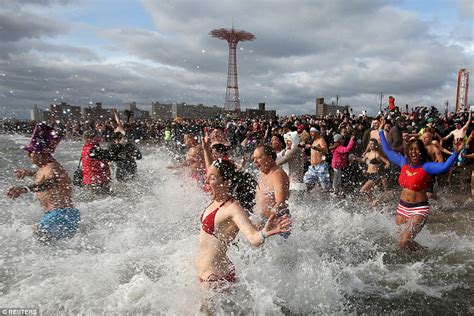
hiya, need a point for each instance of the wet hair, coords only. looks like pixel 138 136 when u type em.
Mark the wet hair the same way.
pixel 221 148
pixel 280 138
pixel 242 184
pixel 419 143
pixel 375 141
pixel 268 151
pixel 430 130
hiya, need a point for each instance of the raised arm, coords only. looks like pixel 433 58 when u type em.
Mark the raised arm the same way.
pixel 119 127
pixel 466 126
pixel 393 156
pixel 440 167
pixel 348 148
pixel 257 237
pixel 289 155
pixel 206 147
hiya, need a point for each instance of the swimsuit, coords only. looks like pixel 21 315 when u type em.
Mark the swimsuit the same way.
pixel 208 222
pixel 407 210
pixel 60 222
pixel 319 172
pixel 416 178
pixel 208 227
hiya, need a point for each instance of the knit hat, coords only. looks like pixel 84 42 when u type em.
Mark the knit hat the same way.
pixel 337 137
pixel 43 140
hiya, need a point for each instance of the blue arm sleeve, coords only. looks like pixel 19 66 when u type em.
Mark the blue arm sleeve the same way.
pixel 393 156
pixel 440 167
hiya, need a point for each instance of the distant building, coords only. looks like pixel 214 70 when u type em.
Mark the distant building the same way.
pixel 323 109
pixel 188 111
pixel 136 112
pixel 197 111
pixel 36 114
pixel 64 112
pixel 260 112
pixel 97 112
pixel 162 111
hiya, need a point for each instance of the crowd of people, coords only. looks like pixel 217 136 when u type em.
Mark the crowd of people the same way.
pixel 262 166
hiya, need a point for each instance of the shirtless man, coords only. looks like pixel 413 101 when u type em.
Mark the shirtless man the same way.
pixel 318 170
pixel 460 131
pixel 273 185
pixel 53 189
pixel 433 150
pixel 436 155
pixel 194 158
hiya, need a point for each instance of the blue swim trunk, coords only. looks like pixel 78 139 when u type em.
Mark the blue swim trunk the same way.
pixel 318 173
pixel 60 223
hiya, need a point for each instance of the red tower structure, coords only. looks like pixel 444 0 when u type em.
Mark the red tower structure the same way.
pixel 462 90
pixel 232 36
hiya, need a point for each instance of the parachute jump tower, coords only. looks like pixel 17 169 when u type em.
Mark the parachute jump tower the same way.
pixel 462 90
pixel 232 36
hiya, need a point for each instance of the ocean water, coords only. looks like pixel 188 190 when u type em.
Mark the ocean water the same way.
pixel 135 250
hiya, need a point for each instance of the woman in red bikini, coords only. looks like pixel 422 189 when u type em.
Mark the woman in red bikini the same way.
pixel 415 179
pixel 233 195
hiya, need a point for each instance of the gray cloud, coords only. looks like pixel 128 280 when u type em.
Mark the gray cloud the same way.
pixel 303 49
pixel 18 26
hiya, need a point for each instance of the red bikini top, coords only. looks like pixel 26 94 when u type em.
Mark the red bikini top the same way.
pixel 208 222
pixel 414 178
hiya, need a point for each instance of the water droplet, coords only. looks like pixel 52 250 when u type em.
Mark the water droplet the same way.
pixel 75 76
pixel 102 89
pixel 197 67
pixel 90 102
pixel 203 51
pixel 57 92
pixel 241 48
pixel 251 51
pixel 3 75
pixel 11 91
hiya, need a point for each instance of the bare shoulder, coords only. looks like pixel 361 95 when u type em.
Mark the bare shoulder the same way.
pixel 278 175
pixel 235 209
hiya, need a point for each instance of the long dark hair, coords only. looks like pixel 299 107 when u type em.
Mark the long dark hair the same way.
pixel 242 184
pixel 419 143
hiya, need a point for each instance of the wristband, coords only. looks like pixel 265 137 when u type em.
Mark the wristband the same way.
pixel 262 234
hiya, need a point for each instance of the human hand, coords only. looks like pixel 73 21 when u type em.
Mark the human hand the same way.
pixel 15 192
pixel 277 225
pixel 381 122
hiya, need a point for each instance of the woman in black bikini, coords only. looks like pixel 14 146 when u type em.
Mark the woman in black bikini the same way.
pixel 232 194
pixel 373 158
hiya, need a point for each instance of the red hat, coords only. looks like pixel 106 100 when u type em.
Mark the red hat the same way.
pixel 300 128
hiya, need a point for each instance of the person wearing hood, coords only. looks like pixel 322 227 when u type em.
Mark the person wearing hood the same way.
pixel 295 157
pixel 51 185
pixel 339 160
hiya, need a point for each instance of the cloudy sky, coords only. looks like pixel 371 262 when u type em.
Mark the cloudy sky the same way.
pixel 82 51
